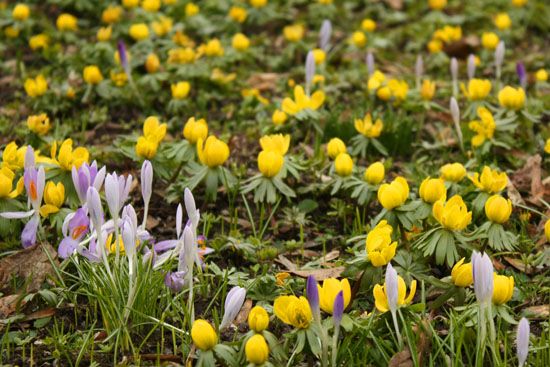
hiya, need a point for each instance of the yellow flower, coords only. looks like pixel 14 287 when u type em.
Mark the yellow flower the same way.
pixel 203 334
pixel 541 75
pixel 368 25
pixel 478 89
pixel 213 48
pixel 150 5
pixel 381 299
pixel 437 4
pixel 11 31
pixel 92 74
pixel 448 34
pixel 343 165
pixel 111 14
pixel 379 246
pixel 393 194
pixel 498 209
pixel 146 147
pixel 435 46
pixel 432 190
pixel 152 63
pixel 293 311
pixel 6 184
pixel 374 174
pixel 462 274
pixel 36 87
pixel 319 56
pixel 489 40
pixel 490 181
pixel 191 9
pixel 503 288
pixel 334 147
pixel 256 350
pixel 119 79
pixel 258 319
pixel 330 289
pixel 70 93
pixel 130 3
pixel 547 146
pixel 39 124
pixel 294 33
pixel 519 3
pixel 485 129
pixel 503 21
pixel 238 14
pixel 281 277
pixel 219 76
pixel 302 101
pixel 213 152
pixel 366 128
pixel 279 117
pixel 547 229
pixel 153 129
pixel 13 157
pixel 117 57
pixel 270 163
pixel 399 89
pixel 139 31
pixel 453 172
pixel 278 143
pixel 511 98
pixel 428 90
pixel 69 157
pixel 453 214
pixel 359 39
pixel 67 22
pixel 254 93
pixel 104 34
pixel 20 12
pixel 376 80
pixel 111 244
pixel 163 26
pixel 195 130
pixel 180 90
pixel 258 3
pixel 54 197
pixel 181 55
pixel 240 42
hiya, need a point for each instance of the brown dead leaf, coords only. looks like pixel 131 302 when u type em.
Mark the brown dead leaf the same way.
pixel 263 81
pixel 462 48
pixel 286 263
pixel 243 313
pixel 519 265
pixel 320 274
pixel 401 359
pixel 514 194
pixel 152 222
pixel 537 312
pixel 8 304
pixel 41 314
pixel 529 179
pixel 395 4
pixel 32 262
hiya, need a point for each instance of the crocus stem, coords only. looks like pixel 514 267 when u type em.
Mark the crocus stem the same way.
pixel 145 214
pixel 324 345
pixel 190 305
pixel 482 331
pixel 396 326
pixel 335 345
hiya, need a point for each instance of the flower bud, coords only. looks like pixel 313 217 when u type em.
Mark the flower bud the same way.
pixel 258 319
pixel 270 163
pixel 256 350
pixel 498 209
pixel 482 271
pixel 503 288
pixel 432 190
pixel 203 334
pixel 92 74
pixel 334 147
pixel 195 130
pixel 343 165
pixel 471 66
pixel 374 174
pixel 461 274
pixel 522 340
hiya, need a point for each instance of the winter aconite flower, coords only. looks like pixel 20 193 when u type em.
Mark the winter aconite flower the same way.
pixel 256 350
pixel 334 147
pixel 503 21
pixel 393 194
pixel 380 247
pixel 6 184
pixel 302 101
pixel 279 117
pixel 367 128
pixel 67 157
pixel 428 90
pixel 541 75
pixel 104 34
pixel 294 33
pixel 461 274
pixel 293 311
pixel 111 14
pixel 195 130
pixel 503 288
pixel 180 90
pixel 432 190
pixel 150 5
pixel 278 143
pixel 498 209
pixel 20 12
pixel 330 289
pixel 36 87
pixel 484 127
pixel 547 229
pixel 343 165
pixel 212 48
pixel 66 22
pixel 453 172
pixel 240 42
pixel 453 214
pixel 359 39
pixel 203 334
pixel 437 4
pixel 490 181
pixel 39 124
pixel 258 319
pixel 191 9
pixel 489 40
pixel 54 196
pixel 374 174
pixel 238 14
pixel 212 152
pixel 511 98
pixel 477 89
pixel 152 63
pixel 270 163
pixel 139 31
pixel 92 74
pixel 381 299
pixel 368 25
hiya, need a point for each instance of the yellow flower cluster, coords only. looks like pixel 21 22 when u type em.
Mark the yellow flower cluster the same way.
pixel 271 158
pixel 153 134
pixel 379 245
pixel 442 36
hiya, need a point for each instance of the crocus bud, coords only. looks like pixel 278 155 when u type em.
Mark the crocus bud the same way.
pixel 454 75
pixel 370 63
pixel 324 35
pixel 129 240
pixel 522 74
pixel 522 341
pixel 338 309
pixel 191 208
pixel 233 303
pixel 499 56
pixel 117 189
pixel 146 181
pixel 310 70
pixel 482 270
pixel 175 281
pixel 391 288
pixel 312 292
pixel 179 221
pixel 419 70
pixel 455 111
pixel 94 208
pixel 123 57
pixel 189 247
pixel 29 157
pixel 471 66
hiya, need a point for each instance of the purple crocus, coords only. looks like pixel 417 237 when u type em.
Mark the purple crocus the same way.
pixel 310 70
pixel 522 74
pixel 324 35
pixel 85 177
pixel 175 281
pixel 522 341
pixel 370 63
pixel 338 309
pixel 123 57
pixel 146 188
pixel 75 227
pixel 117 189
pixel 312 293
